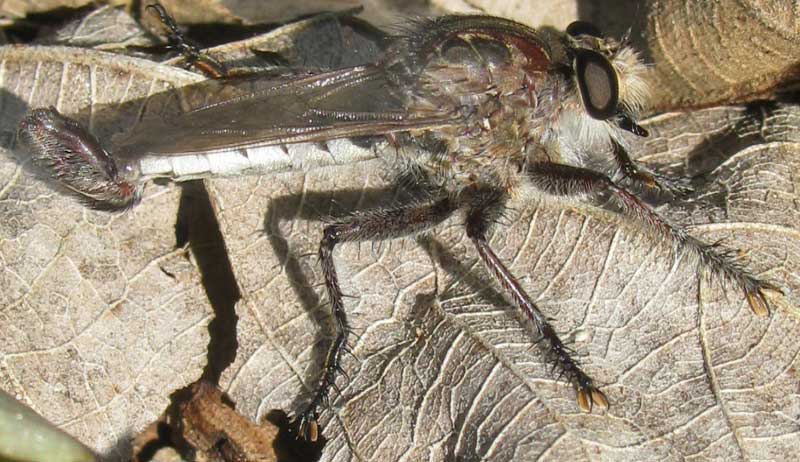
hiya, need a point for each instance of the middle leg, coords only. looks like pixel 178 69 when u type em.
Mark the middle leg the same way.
pixel 479 217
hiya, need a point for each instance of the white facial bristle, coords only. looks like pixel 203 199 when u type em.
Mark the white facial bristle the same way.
pixel 633 89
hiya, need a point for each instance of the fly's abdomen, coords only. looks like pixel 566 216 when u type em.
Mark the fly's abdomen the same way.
pixel 256 160
pixel 70 154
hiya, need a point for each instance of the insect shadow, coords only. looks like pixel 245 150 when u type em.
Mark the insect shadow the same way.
pixel 748 128
pixel 198 227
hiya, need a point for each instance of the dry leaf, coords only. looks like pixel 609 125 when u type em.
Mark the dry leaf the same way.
pixel 106 28
pixel 22 8
pixel 442 369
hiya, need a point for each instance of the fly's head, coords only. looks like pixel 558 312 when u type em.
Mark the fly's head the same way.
pixel 607 92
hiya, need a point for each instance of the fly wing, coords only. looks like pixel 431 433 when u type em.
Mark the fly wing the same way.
pixel 337 104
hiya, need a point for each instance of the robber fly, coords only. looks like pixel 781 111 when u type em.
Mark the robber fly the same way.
pixel 479 109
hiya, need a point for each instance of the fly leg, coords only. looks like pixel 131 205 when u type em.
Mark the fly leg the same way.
pixel 368 226
pixel 565 180
pixel 190 52
pixel 645 178
pixel 479 218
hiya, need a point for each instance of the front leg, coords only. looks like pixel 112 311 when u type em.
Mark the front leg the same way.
pixel 368 226
pixel 479 218
pixel 566 180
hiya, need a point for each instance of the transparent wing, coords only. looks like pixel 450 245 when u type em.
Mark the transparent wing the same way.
pixel 259 112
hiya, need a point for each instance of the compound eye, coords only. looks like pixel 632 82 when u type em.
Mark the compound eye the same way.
pixel 597 82
pixel 583 28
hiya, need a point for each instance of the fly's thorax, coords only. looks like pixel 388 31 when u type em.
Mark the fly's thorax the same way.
pixel 475 42
pixel 490 145
pixel 492 74
pixel 461 63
